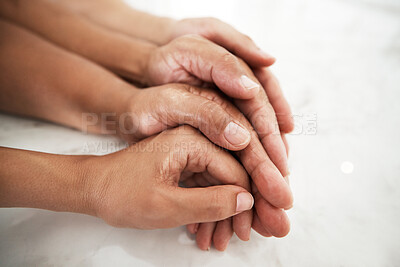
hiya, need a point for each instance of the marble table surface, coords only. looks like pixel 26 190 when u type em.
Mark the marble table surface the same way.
pixel 339 65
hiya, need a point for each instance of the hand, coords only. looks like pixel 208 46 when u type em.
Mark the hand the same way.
pixel 138 187
pixel 227 37
pixel 243 47
pixel 93 21
pixel 195 60
pixel 154 109
pixel 102 16
pixel 224 35
pixel 61 100
pixel 72 120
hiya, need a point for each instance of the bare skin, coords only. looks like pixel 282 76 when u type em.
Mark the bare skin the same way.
pixel 258 109
pixel 118 16
pixel 61 98
pixel 136 187
pixel 188 59
pixel 172 63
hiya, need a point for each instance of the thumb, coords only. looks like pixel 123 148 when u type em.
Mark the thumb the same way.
pixel 211 204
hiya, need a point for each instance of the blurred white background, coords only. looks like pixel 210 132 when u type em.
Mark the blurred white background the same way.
pixel 339 65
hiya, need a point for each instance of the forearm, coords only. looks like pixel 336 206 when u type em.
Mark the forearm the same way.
pixel 122 54
pixel 119 16
pixel 41 80
pixel 39 180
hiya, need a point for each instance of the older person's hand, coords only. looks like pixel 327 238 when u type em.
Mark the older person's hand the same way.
pixel 259 110
pixel 150 111
pixel 78 87
pixel 119 17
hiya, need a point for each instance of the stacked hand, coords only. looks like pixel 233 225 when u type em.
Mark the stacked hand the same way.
pixel 198 72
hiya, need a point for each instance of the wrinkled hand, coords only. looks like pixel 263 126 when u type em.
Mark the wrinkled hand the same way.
pixel 224 35
pixel 195 60
pixel 138 186
pixel 243 47
pixel 150 111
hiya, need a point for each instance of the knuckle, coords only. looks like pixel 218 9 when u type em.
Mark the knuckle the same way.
pixel 229 59
pixel 157 210
pixel 169 91
pixel 190 131
pixel 212 116
pixel 257 171
pixel 174 94
pixel 186 137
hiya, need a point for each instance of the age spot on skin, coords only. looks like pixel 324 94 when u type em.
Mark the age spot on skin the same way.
pixel 347 167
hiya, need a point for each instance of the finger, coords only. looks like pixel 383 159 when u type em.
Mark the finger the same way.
pixel 257 224
pixel 286 143
pixel 224 228
pixel 204 235
pixel 214 64
pixel 258 227
pixel 262 117
pixel 265 175
pixel 276 98
pixel 211 203
pixel 222 234
pixel 185 105
pixel 210 179
pixel 200 180
pixel 192 228
pixel 273 219
pixel 220 162
pixel 190 183
pixel 239 44
pixel 257 162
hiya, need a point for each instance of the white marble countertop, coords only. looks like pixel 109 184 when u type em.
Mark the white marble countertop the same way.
pixel 339 64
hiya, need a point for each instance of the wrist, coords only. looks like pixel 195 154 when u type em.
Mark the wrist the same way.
pixel 46 181
pixel 127 115
pixel 90 185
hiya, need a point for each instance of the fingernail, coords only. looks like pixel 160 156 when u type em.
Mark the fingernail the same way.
pixel 236 135
pixel 248 83
pixel 244 201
